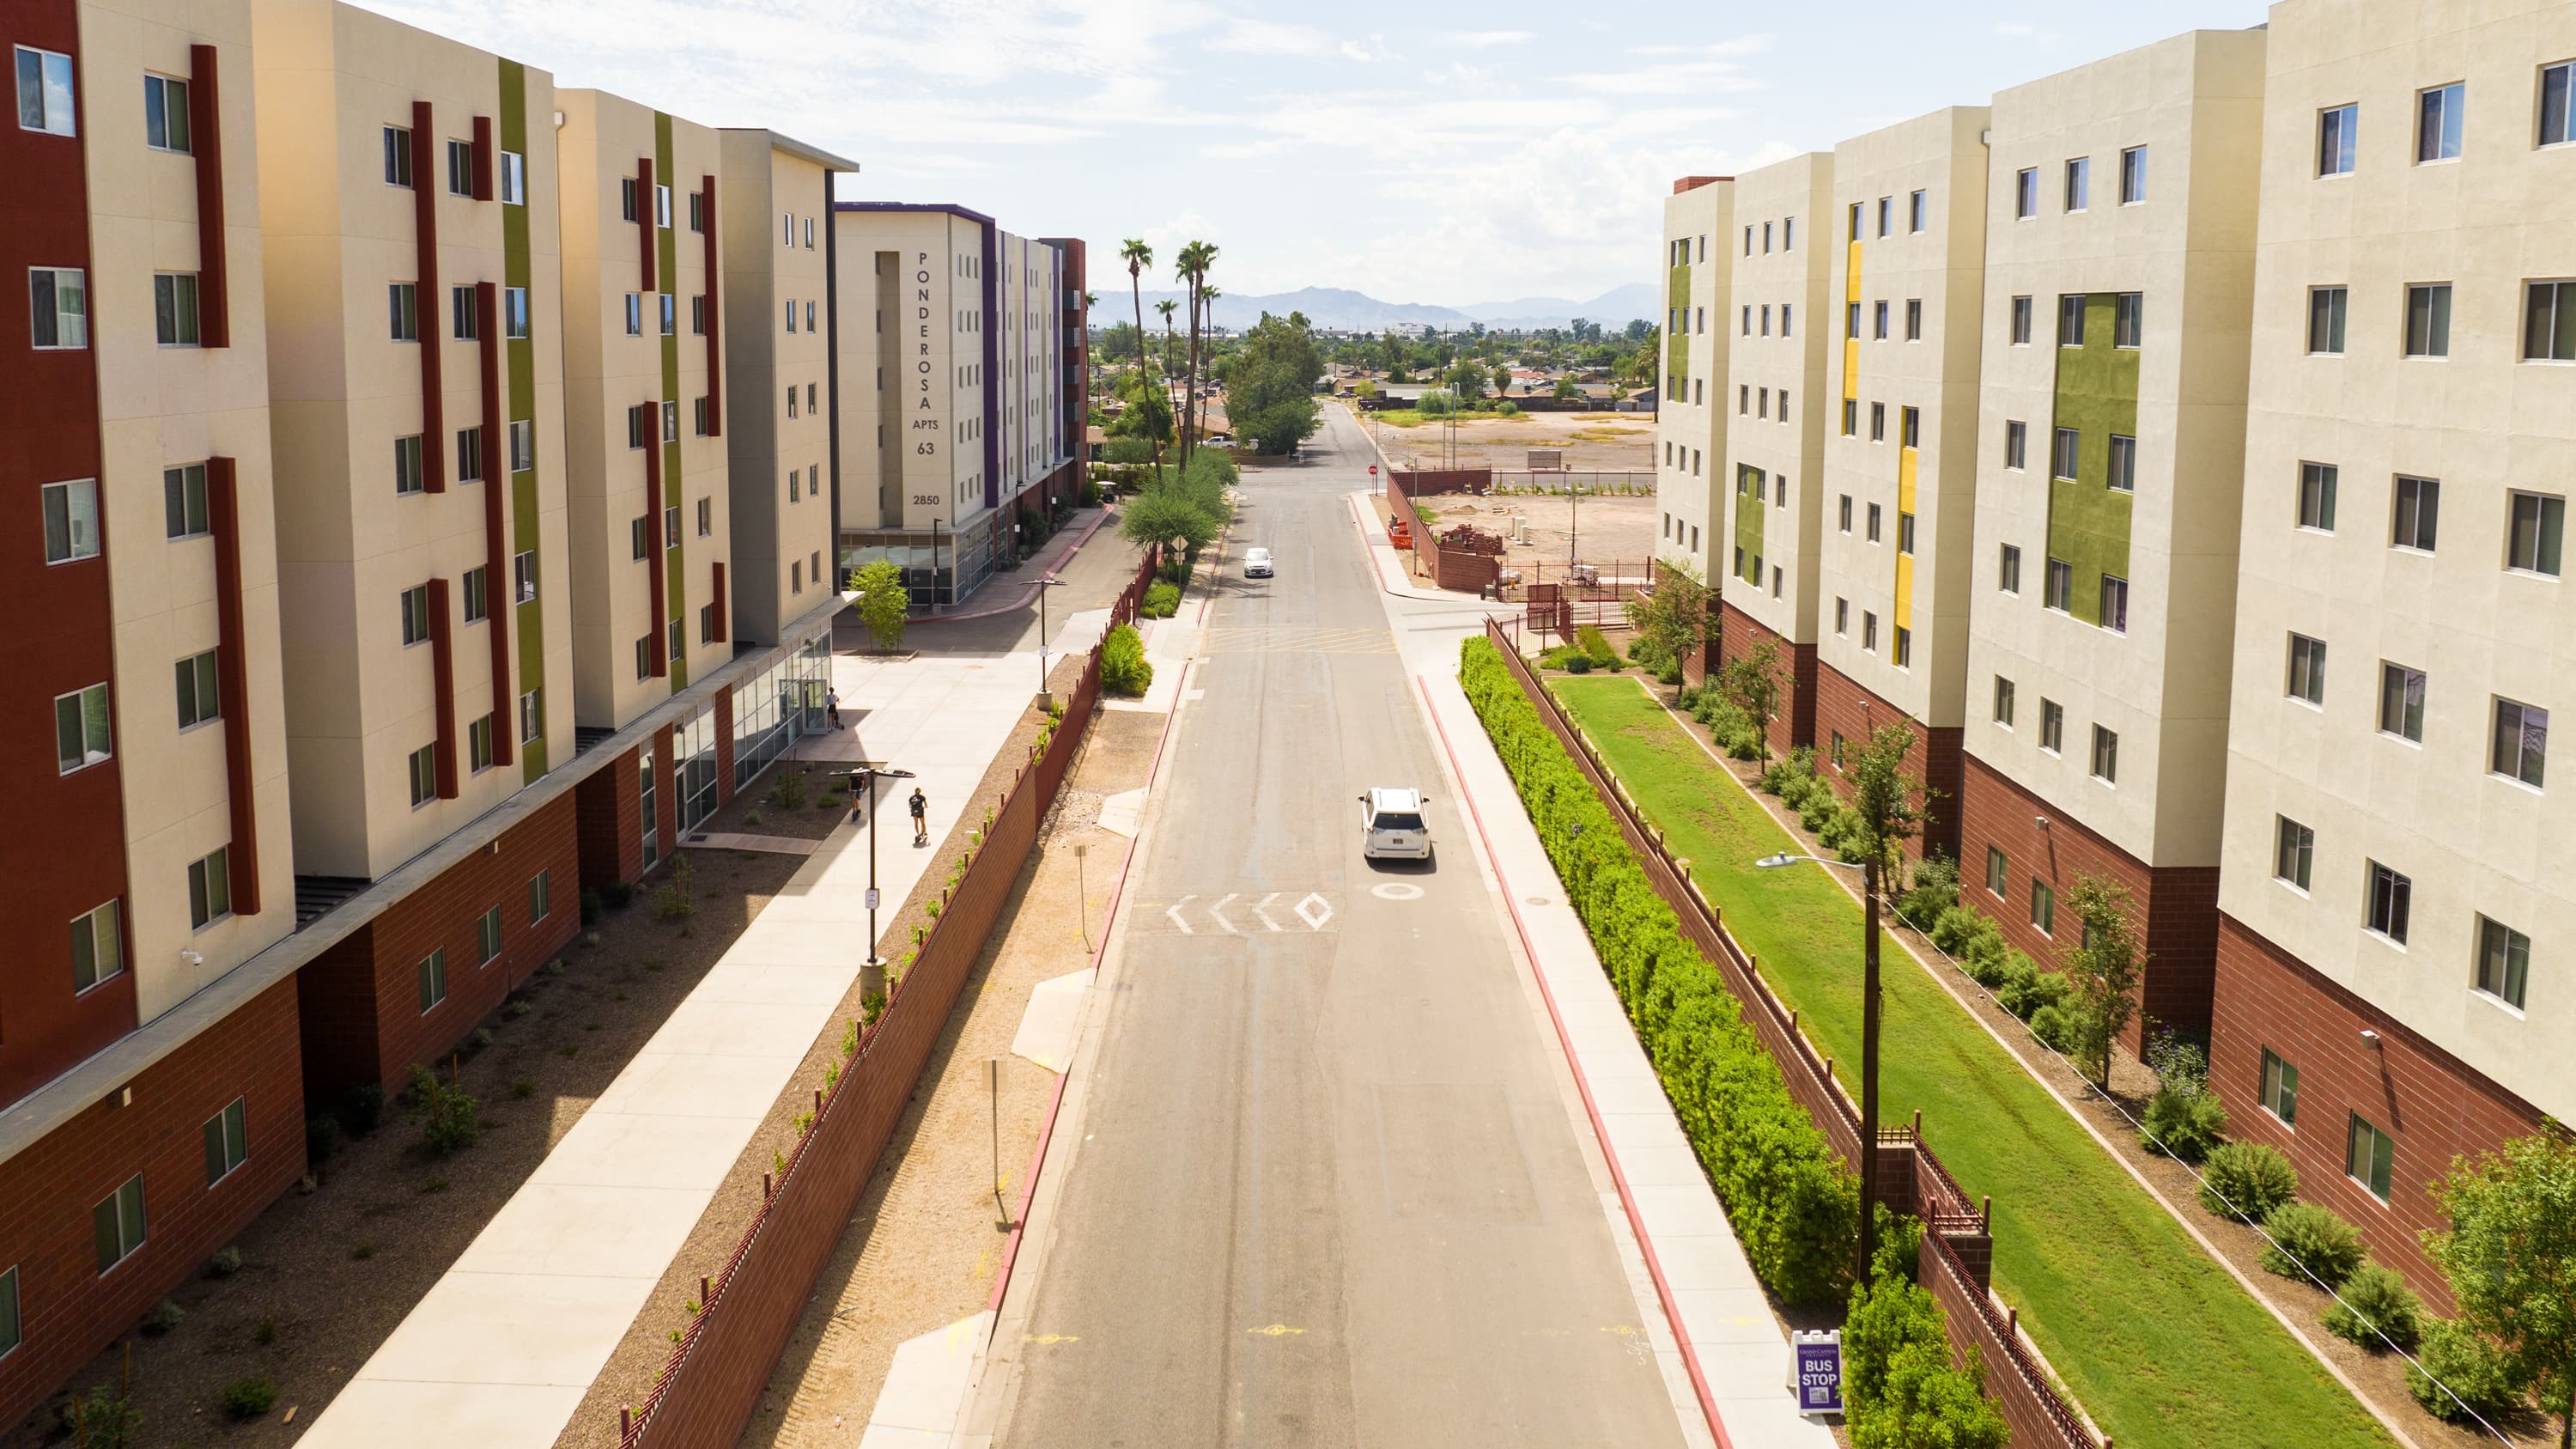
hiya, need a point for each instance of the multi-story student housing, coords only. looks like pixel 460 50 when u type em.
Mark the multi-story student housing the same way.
pixel 2198 436
pixel 1691 429
pixel 425 479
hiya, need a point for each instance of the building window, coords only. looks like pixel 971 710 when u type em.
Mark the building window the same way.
pixel 634 314
pixel 2133 175
pixel 460 168
pixel 81 729
pixel 644 657
pixel 2521 741
pixel 1842 617
pixel 402 310
pixel 1851 320
pixel 118 1218
pixel 2070 319
pixel 1873 523
pixel 514 179
pixel 670 315
pixel 9 1324
pixel 1843 512
pixel 415 614
pixel 2418 508
pixel 2003 701
pixel 671 421
pixel 174 308
pixel 45 91
pixel 433 979
pixel 2549 322
pixel 1904 647
pixel 700 417
pixel 1913 319
pixel 2128 319
pixel 2317 496
pixel 662 206
pixel 541 896
pixel 2325 320
pixel 2124 465
pixel 2557 82
pixel 2437 122
pixel 2294 851
pixel 698 212
pixel 532 715
pixel 1998 872
pixel 514 313
pixel 210 888
pixel 1868 632
pixel 2079 180
pixel 2532 538
pixel 183 501
pixel 2057 591
pixel 2504 961
pixel 2115 604
pixel 487 937
pixel 469 455
pixel 2008 568
pixel 58 306
pixel 2369 1157
pixel 679 648
pixel 698 315
pixel 1837 751
pixel 671 527
pixel 1851 418
pixel 2026 193
pixel 706 623
pixel 2043 908
pixel 1886 212
pixel 637 532
pixel 1878 321
pixel 2307 669
pixel 199 701
pixel 2336 128
pixel 2401 701
pixel 2280 1089
pixel 409 476
pixel 2106 755
pixel 706 516
pixel 423 766
pixel 71 519
pixel 478 744
pixel 98 947
pixel 809 235
pixel 1904 532
pixel 523 445
pixel 2021 321
pixel 2052 726
pixel 1914 211
pixel 227 1141
pixel 397 156
pixel 2391 895
pixel 462 320
pixel 2428 320
pixel 1878 422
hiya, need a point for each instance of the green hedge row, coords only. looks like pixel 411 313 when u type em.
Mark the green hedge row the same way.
pixel 1900 1388
pixel 1794 1204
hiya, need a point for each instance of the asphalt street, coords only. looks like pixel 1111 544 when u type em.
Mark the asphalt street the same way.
pixel 1324 1188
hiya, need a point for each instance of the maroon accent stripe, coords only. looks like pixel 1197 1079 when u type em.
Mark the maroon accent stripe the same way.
pixel 483 158
pixel 442 668
pixel 717 602
pixel 232 680
pixel 655 565
pixel 500 586
pixel 647 221
pixel 206 125
pixel 431 310
pixel 715 285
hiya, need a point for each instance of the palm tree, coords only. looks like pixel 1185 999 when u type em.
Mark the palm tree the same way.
pixel 1167 307
pixel 1138 257
pixel 1192 267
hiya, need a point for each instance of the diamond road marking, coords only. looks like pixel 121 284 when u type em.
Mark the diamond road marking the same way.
pixel 1323 911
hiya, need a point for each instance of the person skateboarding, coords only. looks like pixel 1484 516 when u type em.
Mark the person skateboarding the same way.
pixel 920 817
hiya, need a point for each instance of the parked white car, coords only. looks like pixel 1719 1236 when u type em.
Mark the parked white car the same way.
pixel 1392 827
pixel 1256 563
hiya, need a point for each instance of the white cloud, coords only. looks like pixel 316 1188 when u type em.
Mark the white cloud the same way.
pixel 1265 37
pixel 1365 52
pixel 1689 69
pixel 1487 39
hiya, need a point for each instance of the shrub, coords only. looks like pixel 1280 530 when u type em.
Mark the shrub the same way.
pixel 2375 1302
pixel 249 1398
pixel 2305 1233
pixel 362 1107
pixel 617 893
pixel 676 899
pixel 165 1315
pixel 1578 664
pixel 101 1419
pixel 2184 1124
pixel 1900 1389
pixel 2055 1026
pixel 1951 929
pixel 451 1120
pixel 2026 995
pixel 1161 601
pixel 592 908
pixel 1596 647
pixel 1793 1203
pixel 2472 1368
pixel 226 1262
pixel 322 1134
pixel 1123 670
pixel 1935 890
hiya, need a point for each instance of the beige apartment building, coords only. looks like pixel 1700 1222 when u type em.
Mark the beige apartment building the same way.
pixel 1773 481
pixel 650 508
pixel 1690 425
pixel 2394 887
pixel 2118 294
pixel 1909 219
pixel 773 208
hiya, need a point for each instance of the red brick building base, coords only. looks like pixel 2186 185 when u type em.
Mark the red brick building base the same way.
pixel 609 804
pixel 69 1310
pixel 2434 1105
pixel 2177 905
pixel 1844 708
pixel 1739 634
pixel 360 1000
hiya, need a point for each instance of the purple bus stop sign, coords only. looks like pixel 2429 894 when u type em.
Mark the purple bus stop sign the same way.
pixel 1816 1372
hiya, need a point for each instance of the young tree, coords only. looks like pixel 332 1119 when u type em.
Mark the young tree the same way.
pixel 883 603
pixel 1270 389
pixel 2104 966
pixel 1565 389
pixel 2511 1257
pixel 1674 613
pixel 1886 809
pixel 1502 379
pixel 1753 682
pixel 1160 514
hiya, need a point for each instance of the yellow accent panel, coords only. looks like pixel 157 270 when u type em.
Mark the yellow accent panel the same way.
pixel 1905 591
pixel 1905 472
pixel 1851 344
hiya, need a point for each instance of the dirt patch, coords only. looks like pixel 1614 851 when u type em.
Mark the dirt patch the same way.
pixel 640 1356
pixel 1592 442
pixel 328 1275
pixel 1612 532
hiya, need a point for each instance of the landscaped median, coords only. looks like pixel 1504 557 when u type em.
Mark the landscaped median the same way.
pixel 2153 1337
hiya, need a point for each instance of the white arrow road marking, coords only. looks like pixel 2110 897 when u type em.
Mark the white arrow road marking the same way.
pixel 1218 911
pixel 1323 908
pixel 1174 911
pixel 1263 914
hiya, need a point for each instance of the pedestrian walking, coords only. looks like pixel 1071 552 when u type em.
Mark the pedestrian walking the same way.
pixel 920 817
pixel 832 706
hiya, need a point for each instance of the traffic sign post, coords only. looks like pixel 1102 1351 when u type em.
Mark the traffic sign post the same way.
pixel 1816 1371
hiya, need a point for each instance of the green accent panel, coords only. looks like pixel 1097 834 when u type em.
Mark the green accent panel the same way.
pixel 675 559
pixel 1677 289
pixel 1749 507
pixel 2097 395
pixel 1677 358
pixel 1677 350
pixel 517 270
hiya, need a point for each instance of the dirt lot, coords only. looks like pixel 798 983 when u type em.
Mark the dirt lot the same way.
pixel 1613 533
pixel 1606 442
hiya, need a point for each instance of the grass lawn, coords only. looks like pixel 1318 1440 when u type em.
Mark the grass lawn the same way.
pixel 2155 1340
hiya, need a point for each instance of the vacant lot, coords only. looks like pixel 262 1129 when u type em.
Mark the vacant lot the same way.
pixel 1614 533
pixel 1592 441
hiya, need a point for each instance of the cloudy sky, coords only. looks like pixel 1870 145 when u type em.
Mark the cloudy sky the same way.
pixel 1523 152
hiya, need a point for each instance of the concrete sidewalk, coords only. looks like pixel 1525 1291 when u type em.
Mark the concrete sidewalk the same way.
pixel 503 1347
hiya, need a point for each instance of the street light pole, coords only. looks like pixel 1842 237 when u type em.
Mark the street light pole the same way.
pixel 1044 702
pixel 1867 1247
pixel 872 975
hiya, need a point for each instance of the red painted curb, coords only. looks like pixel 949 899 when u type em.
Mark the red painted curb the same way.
pixel 1636 1223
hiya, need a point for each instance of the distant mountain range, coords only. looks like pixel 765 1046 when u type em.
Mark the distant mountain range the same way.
pixel 1338 307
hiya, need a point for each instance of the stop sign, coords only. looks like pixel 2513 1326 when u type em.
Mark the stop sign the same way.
pixel 1372 470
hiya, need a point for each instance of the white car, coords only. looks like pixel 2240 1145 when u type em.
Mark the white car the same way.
pixel 1392 827
pixel 1256 563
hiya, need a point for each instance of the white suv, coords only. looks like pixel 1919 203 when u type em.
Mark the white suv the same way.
pixel 1392 827
pixel 1256 563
